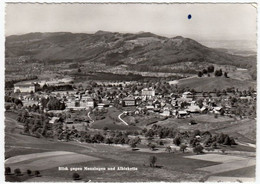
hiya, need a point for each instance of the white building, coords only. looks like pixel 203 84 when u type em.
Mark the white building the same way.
pixel 187 95
pixel 148 92
pixel 24 87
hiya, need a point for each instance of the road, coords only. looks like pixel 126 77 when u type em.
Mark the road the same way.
pixel 92 121
pixel 119 117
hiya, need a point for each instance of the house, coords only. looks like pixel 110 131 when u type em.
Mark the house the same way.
pixel 129 101
pixel 54 120
pixel 157 104
pixel 149 107
pixel 69 121
pixel 193 109
pixel 24 87
pixel 182 114
pixel 217 110
pixel 187 94
pixel 166 112
pixel 148 92
pixel 204 110
pixel 101 105
pixel 29 100
pixel 138 100
pixel 87 101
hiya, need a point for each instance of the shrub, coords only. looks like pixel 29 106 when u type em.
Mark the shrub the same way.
pixel 17 172
pixel 75 176
pixel 7 171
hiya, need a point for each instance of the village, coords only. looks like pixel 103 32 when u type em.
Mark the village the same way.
pixel 133 98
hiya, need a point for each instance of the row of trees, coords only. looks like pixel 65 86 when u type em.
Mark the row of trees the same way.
pixel 17 172
pixel 210 70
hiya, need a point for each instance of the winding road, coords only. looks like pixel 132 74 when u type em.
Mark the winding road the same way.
pixel 119 117
pixel 92 121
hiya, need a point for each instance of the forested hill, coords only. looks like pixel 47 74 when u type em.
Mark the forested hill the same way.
pixel 114 48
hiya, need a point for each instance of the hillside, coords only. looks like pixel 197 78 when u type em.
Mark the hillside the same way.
pixel 211 83
pixel 114 49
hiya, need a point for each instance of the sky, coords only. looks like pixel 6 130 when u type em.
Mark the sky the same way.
pixel 208 21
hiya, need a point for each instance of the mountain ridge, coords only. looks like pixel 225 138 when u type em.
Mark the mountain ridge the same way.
pixel 113 49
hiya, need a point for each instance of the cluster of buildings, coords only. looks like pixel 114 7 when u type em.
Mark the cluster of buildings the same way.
pixel 139 101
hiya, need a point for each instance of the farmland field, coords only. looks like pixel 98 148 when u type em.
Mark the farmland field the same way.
pixel 26 152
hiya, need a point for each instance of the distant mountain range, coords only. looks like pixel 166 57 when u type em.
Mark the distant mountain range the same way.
pixel 112 48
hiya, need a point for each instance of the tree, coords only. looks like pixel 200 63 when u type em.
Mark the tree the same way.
pixel 75 176
pixel 134 142
pixel 214 145
pixel 29 172
pixel 200 74
pixel 183 147
pixel 226 75
pixel 223 151
pixel 218 73
pixel 37 173
pixel 168 149
pixel 198 149
pixel 177 141
pixel 17 172
pixel 151 146
pixel 210 69
pixel 196 132
pixel 7 171
pixel 7 107
pixel 205 71
pixel 152 161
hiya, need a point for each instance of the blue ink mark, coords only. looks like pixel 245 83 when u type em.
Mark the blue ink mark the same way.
pixel 189 16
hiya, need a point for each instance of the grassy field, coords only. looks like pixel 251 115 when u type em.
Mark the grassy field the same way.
pixel 249 172
pixel 243 130
pixel 111 121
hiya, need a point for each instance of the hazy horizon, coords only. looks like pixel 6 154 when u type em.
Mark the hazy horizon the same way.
pixel 208 22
